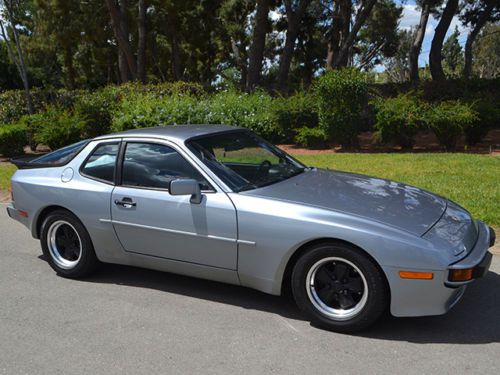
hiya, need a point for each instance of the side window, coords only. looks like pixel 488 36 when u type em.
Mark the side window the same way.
pixel 101 163
pixel 154 166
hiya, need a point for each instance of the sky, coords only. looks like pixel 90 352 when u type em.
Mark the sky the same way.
pixel 411 18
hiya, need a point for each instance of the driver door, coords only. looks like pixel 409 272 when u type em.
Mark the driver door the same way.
pixel 150 221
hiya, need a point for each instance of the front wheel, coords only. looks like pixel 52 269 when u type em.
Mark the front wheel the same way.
pixel 339 288
pixel 67 245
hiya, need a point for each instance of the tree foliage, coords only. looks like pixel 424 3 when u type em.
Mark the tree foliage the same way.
pixel 278 45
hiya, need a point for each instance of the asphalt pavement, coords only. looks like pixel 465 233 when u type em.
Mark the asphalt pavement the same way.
pixel 125 320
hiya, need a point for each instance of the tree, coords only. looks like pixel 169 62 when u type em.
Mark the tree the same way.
pixel 452 53
pixel 397 67
pixel 235 15
pixel 59 21
pixel 486 62
pixel 435 57
pixel 8 75
pixel 142 40
pixel 120 28
pixel 365 8
pixel 379 36
pixel 10 7
pixel 340 25
pixel 258 43
pixel 311 45
pixel 426 7
pixel 294 15
pixel 475 15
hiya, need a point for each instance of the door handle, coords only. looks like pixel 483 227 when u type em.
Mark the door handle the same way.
pixel 125 203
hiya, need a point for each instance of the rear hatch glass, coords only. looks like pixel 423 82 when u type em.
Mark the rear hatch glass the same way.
pixel 56 158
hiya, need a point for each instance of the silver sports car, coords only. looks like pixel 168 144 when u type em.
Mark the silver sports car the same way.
pixel 220 203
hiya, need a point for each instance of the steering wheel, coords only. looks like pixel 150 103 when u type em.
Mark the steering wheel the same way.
pixel 264 168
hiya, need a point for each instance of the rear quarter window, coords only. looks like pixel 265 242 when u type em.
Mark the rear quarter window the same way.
pixel 101 163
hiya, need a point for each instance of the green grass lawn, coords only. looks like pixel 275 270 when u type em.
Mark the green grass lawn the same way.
pixel 6 171
pixel 470 180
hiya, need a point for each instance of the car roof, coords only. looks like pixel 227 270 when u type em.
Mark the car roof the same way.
pixel 179 133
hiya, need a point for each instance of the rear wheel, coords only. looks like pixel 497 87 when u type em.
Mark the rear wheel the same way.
pixel 339 288
pixel 67 245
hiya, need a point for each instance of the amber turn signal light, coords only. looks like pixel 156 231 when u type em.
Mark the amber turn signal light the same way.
pixel 461 275
pixel 416 275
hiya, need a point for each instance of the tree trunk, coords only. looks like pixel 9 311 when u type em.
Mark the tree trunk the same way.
pixel 339 31
pixel 363 13
pixel 258 44
pixel 435 58
pixel 19 62
pixel 123 67
pixel 120 28
pixel 68 62
pixel 176 58
pixel 154 56
pixel 240 63
pixel 471 37
pixel 333 35
pixel 293 19
pixel 141 48
pixel 419 38
pixel 125 73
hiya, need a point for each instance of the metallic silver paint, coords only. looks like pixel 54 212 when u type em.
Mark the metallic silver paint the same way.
pixel 249 238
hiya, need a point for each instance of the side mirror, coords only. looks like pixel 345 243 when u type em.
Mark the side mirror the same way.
pixel 186 186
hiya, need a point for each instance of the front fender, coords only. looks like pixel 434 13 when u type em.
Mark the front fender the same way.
pixel 280 228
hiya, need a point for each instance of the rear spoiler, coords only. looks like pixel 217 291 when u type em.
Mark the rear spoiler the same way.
pixel 26 163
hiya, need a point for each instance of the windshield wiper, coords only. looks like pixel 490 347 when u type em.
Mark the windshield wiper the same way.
pixel 248 186
pixel 297 171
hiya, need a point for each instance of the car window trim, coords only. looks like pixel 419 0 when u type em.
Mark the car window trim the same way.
pixel 109 141
pixel 125 142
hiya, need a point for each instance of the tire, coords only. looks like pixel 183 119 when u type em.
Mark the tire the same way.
pixel 67 246
pixel 339 288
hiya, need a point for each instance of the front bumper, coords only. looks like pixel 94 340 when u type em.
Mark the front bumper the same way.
pixel 478 260
pixel 437 296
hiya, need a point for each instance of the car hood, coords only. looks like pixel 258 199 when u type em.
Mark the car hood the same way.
pixel 405 207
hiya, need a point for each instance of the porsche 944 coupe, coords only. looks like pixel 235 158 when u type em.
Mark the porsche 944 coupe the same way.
pixel 221 203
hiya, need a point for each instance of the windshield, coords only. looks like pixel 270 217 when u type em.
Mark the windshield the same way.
pixel 244 161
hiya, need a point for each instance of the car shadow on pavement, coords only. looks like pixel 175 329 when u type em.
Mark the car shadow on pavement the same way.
pixel 474 320
pixel 195 288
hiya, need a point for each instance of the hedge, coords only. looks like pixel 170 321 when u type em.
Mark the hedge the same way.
pixel 339 105
pixel 12 139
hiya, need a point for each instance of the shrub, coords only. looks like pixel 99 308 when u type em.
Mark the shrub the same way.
pixel 450 89
pixel 398 120
pixel 132 89
pixel 147 110
pixel 448 119
pixel 12 139
pixel 342 95
pixel 95 109
pixel 295 112
pixel 252 111
pixel 488 114
pixel 13 103
pixel 310 137
pixel 12 106
pixel 55 127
